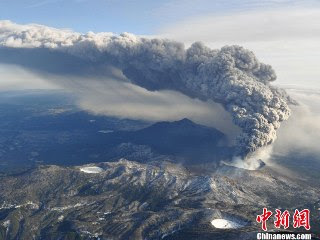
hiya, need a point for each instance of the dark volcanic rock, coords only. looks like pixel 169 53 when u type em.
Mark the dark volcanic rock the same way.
pixel 130 200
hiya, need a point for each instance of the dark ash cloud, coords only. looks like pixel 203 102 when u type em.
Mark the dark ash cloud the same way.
pixel 231 76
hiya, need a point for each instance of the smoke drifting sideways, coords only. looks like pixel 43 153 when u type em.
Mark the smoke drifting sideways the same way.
pixel 304 123
pixel 231 76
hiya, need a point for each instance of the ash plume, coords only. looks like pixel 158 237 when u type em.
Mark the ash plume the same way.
pixel 231 75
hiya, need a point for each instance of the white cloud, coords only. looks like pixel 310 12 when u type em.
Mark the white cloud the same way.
pixel 17 78
pixel 171 11
pixel 286 38
pixel 302 131
pixel 250 26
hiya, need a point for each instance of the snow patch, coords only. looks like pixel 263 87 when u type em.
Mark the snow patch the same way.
pixel 91 169
pixel 60 209
pixel 225 224
pixel 28 204
pixel 6 224
pixel 60 218
pixel 105 131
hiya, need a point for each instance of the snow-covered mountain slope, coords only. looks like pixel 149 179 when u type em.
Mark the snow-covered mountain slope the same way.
pixel 130 200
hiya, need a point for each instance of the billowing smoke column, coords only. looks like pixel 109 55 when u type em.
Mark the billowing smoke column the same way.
pixel 231 76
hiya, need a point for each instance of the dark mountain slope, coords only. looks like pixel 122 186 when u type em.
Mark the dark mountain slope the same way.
pixel 180 138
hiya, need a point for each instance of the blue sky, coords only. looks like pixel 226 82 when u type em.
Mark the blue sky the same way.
pixel 136 16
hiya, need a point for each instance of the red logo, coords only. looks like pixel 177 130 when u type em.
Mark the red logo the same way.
pixel 282 219
pixel 300 219
pixel 263 218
